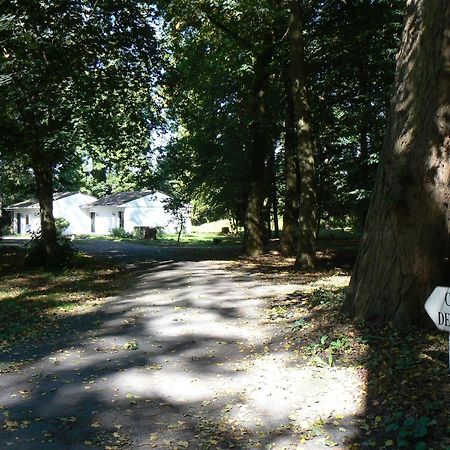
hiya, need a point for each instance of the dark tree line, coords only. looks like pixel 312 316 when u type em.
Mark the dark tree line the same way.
pixel 74 75
pixel 306 84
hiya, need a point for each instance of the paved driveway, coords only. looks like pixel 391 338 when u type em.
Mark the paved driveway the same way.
pixel 182 359
pixel 128 252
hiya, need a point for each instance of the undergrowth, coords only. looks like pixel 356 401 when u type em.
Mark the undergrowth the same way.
pixel 405 370
pixel 33 302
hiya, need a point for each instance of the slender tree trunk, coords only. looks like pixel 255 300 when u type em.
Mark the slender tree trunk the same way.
pixel 276 225
pixel 319 204
pixel 364 174
pixel 402 254
pixel 291 190
pixel 306 250
pixel 254 218
pixel 271 169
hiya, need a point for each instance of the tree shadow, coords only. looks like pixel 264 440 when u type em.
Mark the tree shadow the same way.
pixel 148 368
pixel 178 361
pixel 404 370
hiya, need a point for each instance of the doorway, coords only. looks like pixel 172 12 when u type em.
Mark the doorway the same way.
pixel 92 222
pixel 19 223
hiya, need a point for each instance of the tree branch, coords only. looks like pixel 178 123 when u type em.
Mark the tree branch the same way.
pixel 233 34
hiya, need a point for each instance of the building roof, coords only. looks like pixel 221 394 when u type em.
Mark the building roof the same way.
pixel 119 198
pixel 33 203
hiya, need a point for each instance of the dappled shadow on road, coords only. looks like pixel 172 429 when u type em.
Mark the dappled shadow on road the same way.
pixel 180 360
pixel 404 371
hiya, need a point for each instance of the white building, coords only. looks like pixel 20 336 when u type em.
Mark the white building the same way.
pixel 129 210
pixel 87 215
pixel 66 205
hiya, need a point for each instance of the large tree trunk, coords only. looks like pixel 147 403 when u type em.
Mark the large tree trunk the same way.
pixel 291 177
pixel 44 183
pixel 404 247
pixel 305 149
pixel 254 218
pixel 43 174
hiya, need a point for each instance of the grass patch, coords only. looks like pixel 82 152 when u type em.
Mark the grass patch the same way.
pixel 32 302
pixel 194 239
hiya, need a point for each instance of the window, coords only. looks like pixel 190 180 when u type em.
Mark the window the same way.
pixel 92 222
pixel 27 220
pixel 19 223
pixel 121 220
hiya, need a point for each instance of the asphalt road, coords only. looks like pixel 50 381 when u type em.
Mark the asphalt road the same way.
pixel 127 252
pixel 185 358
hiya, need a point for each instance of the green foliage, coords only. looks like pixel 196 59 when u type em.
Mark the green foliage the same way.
pixel 138 233
pixel 329 349
pixel 325 297
pixel 61 226
pixel 351 49
pixel 408 431
pixel 121 233
pixel 208 82
pixel 350 60
pixel 179 211
pixel 75 82
pixel 300 324
pixel 36 254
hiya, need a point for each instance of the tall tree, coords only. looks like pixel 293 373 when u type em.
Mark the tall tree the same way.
pixel 231 47
pixel 58 60
pixel 405 244
pixel 289 235
pixel 306 250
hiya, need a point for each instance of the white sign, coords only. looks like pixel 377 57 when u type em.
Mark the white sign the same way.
pixel 438 308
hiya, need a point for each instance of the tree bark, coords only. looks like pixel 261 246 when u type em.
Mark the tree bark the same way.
pixel 291 191
pixel 305 148
pixel 272 194
pixel 43 174
pixel 44 183
pixel 276 225
pixel 254 218
pixel 403 253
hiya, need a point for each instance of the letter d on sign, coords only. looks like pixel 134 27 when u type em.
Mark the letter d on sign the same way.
pixel 437 307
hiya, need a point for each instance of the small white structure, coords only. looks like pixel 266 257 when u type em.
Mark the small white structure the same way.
pixel 88 215
pixel 128 210
pixel 66 205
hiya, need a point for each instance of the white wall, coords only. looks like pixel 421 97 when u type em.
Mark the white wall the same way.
pixel 66 208
pixel 148 216
pixel 149 211
pixel 33 218
pixel 156 199
pixel 106 218
pixel 69 208
pixel 145 211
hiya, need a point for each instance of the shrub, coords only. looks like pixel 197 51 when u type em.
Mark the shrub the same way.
pixel 61 226
pixel 138 233
pixel 36 255
pixel 35 252
pixel 121 233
